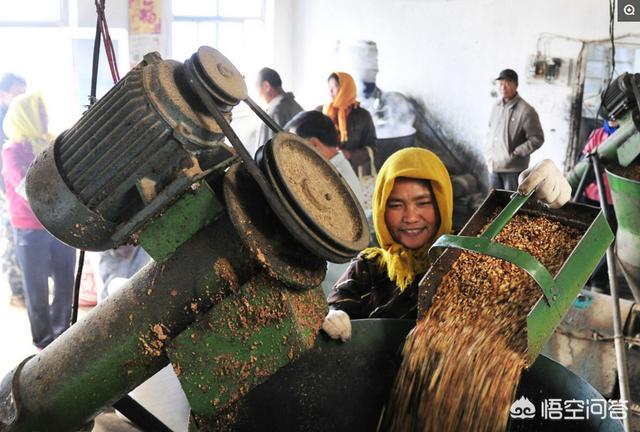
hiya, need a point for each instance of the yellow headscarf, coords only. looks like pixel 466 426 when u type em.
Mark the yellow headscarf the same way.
pixel 403 264
pixel 26 121
pixel 338 110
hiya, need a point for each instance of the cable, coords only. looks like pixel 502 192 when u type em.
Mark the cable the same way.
pixel 576 112
pixel 612 8
pixel 94 66
pixel 102 32
pixel 108 43
pixel 613 62
pixel 76 289
pixel 543 46
pixel 547 37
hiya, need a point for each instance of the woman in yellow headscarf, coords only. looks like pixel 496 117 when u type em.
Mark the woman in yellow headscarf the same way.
pixel 39 254
pixel 412 206
pixel 353 123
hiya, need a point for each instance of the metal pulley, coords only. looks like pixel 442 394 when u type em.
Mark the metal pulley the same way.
pixel 131 155
pixel 219 76
pixel 304 190
pixel 160 130
pixel 313 192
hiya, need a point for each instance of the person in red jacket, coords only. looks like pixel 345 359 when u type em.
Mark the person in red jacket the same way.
pixel 39 254
pixel 597 137
pixel 600 278
pixel 11 85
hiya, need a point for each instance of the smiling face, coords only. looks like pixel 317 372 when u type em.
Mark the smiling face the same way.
pixel 411 213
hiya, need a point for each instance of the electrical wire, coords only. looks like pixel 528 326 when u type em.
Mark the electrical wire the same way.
pixel 76 289
pixel 545 36
pixel 102 33
pixel 94 65
pixel 544 39
pixel 106 38
pixel 612 8
pixel 612 40
pixel 134 411
pixel 543 45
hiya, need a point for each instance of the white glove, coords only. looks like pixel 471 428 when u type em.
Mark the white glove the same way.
pixel 337 325
pixel 551 186
pixel 116 284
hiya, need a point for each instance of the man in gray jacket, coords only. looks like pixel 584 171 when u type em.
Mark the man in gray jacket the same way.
pixel 514 133
pixel 282 105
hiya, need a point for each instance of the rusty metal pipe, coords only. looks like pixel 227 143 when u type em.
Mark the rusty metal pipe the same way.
pixel 119 344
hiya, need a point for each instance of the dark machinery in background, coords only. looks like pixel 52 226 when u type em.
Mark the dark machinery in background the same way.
pixel 621 101
pixel 156 133
pixel 147 164
pixel 232 298
pixel 619 155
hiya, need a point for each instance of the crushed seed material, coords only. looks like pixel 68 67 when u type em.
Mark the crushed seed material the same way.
pixel 153 342
pixel 631 172
pixel 462 362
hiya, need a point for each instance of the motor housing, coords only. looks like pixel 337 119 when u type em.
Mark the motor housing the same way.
pixel 129 156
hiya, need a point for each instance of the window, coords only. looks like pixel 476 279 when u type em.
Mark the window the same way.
pixel 598 70
pixel 58 64
pixel 235 28
pixel 32 12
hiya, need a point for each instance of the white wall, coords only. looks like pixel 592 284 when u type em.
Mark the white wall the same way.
pixel 443 52
pixel 446 53
pixel 116 11
pixel 280 16
pixel 47 57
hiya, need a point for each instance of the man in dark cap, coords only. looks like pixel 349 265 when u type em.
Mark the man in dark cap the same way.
pixel 514 133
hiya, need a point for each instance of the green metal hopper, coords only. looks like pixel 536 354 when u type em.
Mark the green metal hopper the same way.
pixel 623 147
pixel 557 293
pixel 626 202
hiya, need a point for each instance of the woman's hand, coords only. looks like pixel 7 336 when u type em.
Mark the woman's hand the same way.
pixel 550 185
pixel 337 325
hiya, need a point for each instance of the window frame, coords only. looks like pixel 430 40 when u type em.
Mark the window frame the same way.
pixel 61 21
pixel 216 19
pixel 217 15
